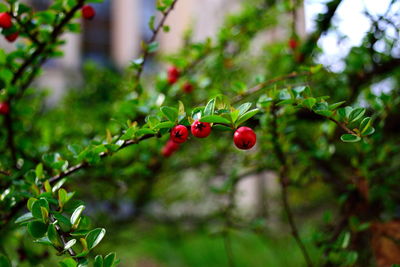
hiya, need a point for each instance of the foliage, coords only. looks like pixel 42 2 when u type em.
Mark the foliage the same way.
pixel 316 129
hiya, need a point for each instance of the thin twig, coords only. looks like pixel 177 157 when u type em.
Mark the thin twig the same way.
pixel 63 237
pixel 82 165
pixel 262 85
pixel 146 52
pixel 284 182
pixel 343 126
pixel 42 46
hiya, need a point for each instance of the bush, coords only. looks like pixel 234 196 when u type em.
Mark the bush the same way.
pixel 329 137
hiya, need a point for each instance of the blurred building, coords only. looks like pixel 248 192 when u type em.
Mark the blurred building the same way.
pixel 113 37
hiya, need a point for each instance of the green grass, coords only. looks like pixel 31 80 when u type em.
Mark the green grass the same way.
pixel 165 246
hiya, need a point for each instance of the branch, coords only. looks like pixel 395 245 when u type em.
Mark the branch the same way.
pixel 284 181
pixel 42 46
pixel 270 82
pixel 343 126
pixel 63 237
pixel 323 25
pixel 83 165
pixel 146 52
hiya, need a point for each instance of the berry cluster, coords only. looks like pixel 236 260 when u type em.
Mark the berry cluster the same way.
pixel 244 137
pixel 173 75
pixel 6 23
pixel 88 12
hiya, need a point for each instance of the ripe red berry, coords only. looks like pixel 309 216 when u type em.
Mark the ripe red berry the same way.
pixel 173 71
pixel 200 129
pixel 179 134
pixel 88 12
pixel 293 43
pixel 172 79
pixel 169 148
pixel 187 87
pixel 4 108
pixel 12 37
pixel 244 138
pixel 5 20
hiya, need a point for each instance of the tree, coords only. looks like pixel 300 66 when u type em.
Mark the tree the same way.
pixel 311 131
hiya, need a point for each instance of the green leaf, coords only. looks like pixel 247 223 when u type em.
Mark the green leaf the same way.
pixel 94 237
pixel 370 130
pixel 326 113
pixel 98 261
pixel 30 202
pixel 37 229
pixel 170 113
pixel 53 235
pixel 76 215
pixel 350 138
pixel 47 186
pixel 39 171
pixel 214 119
pixel 210 107
pixel 129 134
pixel 153 47
pixel 80 233
pixel 246 116
pixel 70 244
pixel 68 262
pixel 59 184
pixel 243 108
pixel 25 218
pixel 165 124
pixel 356 114
pixel 145 131
pixel 151 22
pixel 37 208
pixel 220 127
pixel 344 112
pixel 284 94
pixel 365 123
pixel 44 241
pixel 109 260
pixel 336 105
pixel 309 102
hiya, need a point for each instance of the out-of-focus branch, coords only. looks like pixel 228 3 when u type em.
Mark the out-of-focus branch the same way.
pixel 284 181
pixel 146 51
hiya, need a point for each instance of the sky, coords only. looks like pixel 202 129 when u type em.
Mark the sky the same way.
pixel 350 21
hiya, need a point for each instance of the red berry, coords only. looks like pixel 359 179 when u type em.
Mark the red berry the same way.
pixel 173 72
pixel 12 37
pixel 179 134
pixel 244 138
pixel 293 43
pixel 172 79
pixel 4 108
pixel 187 87
pixel 88 12
pixel 200 129
pixel 5 20
pixel 169 148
